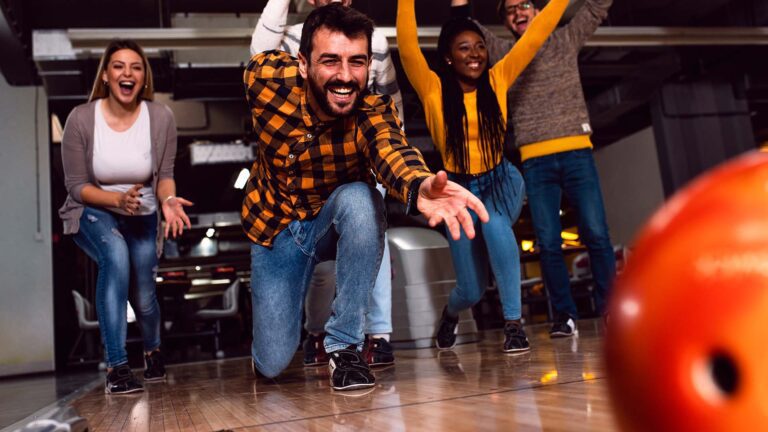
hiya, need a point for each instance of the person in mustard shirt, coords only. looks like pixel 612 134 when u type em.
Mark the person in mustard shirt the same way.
pixel 465 105
pixel 556 150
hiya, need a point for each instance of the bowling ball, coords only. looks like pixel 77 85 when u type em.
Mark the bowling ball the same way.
pixel 686 345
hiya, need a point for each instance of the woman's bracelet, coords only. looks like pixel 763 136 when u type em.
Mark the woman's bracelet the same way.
pixel 168 198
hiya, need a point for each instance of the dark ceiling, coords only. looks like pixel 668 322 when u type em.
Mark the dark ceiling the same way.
pixel 619 81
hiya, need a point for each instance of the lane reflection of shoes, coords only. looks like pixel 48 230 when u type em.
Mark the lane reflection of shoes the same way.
pixel 353 394
pixel 449 361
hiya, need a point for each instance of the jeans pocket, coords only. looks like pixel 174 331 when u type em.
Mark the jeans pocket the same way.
pixel 530 163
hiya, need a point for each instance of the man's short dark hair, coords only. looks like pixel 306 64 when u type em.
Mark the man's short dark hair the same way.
pixel 335 17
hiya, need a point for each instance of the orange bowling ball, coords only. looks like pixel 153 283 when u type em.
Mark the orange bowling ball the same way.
pixel 686 346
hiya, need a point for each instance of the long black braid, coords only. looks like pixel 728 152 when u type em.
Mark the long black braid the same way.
pixel 491 123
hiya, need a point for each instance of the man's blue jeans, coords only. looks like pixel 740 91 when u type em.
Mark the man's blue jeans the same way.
pixel 322 290
pixel 350 229
pixel 495 242
pixel 572 173
pixel 125 250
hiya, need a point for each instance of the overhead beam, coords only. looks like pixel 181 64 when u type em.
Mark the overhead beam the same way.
pixel 88 40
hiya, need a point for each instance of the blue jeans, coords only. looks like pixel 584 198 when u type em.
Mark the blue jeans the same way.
pixel 350 229
pixel 494 241
pixel 322 290
pixel 124 249
pixel 573 173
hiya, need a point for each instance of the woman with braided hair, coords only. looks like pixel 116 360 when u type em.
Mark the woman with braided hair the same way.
pixel 465 104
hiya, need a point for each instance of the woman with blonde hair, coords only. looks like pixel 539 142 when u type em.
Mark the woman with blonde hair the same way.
pixel 118 151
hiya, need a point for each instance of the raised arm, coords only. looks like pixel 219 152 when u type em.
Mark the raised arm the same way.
pixel 415 65
pixel 270 27
pixel 517 59
pixel 587 20
pixel 384 74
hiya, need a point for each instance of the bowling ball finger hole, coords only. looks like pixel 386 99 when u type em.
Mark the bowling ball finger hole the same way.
pixel 725 374
pixel 717 377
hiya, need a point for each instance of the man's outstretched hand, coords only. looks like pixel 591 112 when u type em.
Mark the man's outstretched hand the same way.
pixel 441 200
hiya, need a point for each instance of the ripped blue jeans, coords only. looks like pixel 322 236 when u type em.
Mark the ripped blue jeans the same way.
pixel 125 251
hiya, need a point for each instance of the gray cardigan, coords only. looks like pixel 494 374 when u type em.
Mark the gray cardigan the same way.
pixel 547 100
pixel 77 155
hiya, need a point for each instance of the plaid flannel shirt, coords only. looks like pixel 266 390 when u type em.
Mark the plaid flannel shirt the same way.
pixel 301 160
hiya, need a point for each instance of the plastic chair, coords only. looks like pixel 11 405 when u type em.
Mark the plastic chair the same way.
pixel 84 310
pixel 229 308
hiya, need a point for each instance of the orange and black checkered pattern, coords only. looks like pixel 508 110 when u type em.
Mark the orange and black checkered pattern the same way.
pixel 300 160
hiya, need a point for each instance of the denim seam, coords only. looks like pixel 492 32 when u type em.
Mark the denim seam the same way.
pixel 336 347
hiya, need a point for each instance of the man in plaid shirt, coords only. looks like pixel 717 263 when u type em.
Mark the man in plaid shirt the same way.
pixel 272 32
pixel 310 197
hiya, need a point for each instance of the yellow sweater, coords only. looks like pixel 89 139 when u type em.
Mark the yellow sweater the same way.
pixel 502 76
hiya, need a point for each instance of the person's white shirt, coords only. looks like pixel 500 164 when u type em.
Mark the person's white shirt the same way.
pixel 123 159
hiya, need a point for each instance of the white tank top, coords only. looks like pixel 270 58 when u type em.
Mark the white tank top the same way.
pixel 122 159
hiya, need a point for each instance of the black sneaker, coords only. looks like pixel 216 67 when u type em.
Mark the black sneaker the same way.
pixel 446 331
pixel 515 340
pixel 349 370
pixel 122 381
pixel 378 352
pixel 564 326
pixel 314 351
pixel 154 366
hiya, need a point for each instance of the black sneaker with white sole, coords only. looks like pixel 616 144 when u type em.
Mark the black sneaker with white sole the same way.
pixel 515 340
pixel 564 326
pixel 446 331
pixel 154 366
pixel 349 370
pixel 121 381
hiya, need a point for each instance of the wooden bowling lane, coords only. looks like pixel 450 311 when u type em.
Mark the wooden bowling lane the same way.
pixel 559 385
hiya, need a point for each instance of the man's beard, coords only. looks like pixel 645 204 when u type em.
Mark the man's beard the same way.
pixel 321 96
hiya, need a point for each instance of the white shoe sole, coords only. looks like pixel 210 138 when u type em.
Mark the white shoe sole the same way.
pixel 353 387
pixel 516 350
pixel 106 391
pixel 156 379
pixel 563 335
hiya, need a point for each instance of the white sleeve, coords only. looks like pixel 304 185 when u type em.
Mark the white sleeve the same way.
pixel 270 27
pixel 383 72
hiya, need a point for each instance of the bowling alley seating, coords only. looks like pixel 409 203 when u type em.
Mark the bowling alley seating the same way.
pixel 84 311
pixel 423 278
pixel 86 321
pixel 581 271
pixel 229 309
pixel 581 276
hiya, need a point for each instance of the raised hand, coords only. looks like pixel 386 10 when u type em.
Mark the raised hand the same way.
pixel 175 216
pixel 129 200
pixel 441 200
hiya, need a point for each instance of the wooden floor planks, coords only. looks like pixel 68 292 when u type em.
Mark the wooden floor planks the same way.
pixel 559 385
